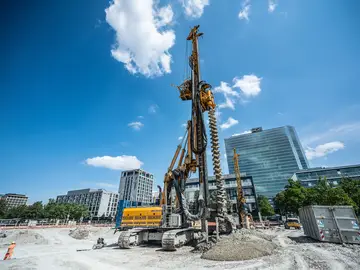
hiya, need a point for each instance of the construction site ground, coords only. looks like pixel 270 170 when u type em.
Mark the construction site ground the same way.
pixel 54 248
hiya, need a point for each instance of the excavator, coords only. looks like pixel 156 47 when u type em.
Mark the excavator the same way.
pixel 172 223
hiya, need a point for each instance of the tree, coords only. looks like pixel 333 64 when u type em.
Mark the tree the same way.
pixel 35 211
pixel 337 196
pixel 280 203
pixel 79 211
pixel 52 210
pixel 2 208
pixel 17 212
pixel 352 189
pixel 51 201
pixel 296 196
pixel 325 194
pixel 265 207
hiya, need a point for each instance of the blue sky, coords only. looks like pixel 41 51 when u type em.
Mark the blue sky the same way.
pixel 86 86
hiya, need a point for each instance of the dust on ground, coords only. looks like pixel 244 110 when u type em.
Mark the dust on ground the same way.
pixel 294 251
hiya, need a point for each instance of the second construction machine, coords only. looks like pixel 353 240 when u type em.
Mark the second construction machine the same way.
pixel 176 221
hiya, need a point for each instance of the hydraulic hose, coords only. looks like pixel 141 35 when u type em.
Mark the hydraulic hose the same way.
pixel 197 112
pixel 182 199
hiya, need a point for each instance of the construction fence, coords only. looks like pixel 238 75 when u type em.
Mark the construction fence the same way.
pixel 7 224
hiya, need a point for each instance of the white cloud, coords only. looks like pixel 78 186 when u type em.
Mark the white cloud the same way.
pixel 245 10
pixel 323 149
pixel 229 123
pixel 184 125
pixel 344 132
pixel 244 13
pixel 165 16
pixel 142 40
pixel 115 163
pixel 242 133
pixel 272 6
pixel 141 117
pixel 136 125
pixel 229 103
pixel 194 8
pixel 218 115
pixel 248 84
pixel 153 108
pixel 180 138
pixel 346 128
pixel 227 91
pixel 224 88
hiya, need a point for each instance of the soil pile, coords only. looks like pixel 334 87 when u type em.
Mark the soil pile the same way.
pixel 23 237
pixel 80 233
pixel 241 245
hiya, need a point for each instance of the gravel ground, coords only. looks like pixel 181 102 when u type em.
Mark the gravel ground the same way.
pixel 59 252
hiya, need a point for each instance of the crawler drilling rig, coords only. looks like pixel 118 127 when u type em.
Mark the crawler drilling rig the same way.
pixel 240 194
pixel 175 228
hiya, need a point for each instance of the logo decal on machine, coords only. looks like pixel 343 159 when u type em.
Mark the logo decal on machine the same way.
pixel 320 223
pixel 354 224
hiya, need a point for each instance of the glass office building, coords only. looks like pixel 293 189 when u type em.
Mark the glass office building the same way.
pixel 310 177
pixel 230 185
pixel 270 156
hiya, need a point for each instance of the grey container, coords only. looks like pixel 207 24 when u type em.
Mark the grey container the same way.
pixel 336 224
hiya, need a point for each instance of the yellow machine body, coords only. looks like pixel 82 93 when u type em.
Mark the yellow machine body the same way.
pixel 142 217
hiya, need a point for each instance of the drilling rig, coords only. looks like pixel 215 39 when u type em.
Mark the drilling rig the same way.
pixel 240 195
pixel 175 228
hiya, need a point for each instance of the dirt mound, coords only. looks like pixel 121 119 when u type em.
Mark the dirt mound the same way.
pixel 241 245
pixel 23 237
pixel 80 233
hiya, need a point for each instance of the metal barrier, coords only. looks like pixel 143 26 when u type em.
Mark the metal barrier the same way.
pixel 55 226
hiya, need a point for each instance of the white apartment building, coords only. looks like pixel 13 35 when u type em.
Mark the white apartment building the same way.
pixel 155 196
pixel 14 200
pixel 136 185
pixel 99 201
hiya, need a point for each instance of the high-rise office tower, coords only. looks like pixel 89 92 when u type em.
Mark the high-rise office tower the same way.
pixel 270 156
pixel 137 186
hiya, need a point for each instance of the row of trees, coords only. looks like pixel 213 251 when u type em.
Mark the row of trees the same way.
pixel 296 196
pixel 52 210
